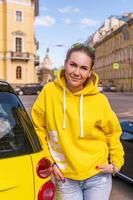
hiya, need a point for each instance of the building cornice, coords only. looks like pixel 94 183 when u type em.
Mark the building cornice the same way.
pixel 17 2
pixel 22 3
pixel 18 33
pixel 121 28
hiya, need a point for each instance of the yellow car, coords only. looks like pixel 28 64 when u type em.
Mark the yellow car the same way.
pixel 24 172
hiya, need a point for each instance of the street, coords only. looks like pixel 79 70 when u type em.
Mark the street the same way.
pixel 121 190
pixel 122 104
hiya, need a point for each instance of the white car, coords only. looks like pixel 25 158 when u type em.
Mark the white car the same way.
pixel 100 87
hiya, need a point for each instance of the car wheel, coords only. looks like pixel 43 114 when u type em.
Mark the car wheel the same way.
pixel 20 93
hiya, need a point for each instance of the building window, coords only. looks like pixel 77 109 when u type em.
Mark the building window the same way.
pixel 18 44
pixel 120 40
pixel 125 35
pixel 131 34
pixel 18 16
pixel 18 72
pixel 132 54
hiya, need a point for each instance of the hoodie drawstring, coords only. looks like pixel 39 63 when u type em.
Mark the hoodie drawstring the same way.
pixel 64 108
pixel 81 117
pixel 81 113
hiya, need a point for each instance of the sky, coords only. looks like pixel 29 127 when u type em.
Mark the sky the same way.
pixel 62 23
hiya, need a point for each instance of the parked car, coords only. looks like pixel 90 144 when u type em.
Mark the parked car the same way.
pixel 29 89
pixel 24 171
pixel 110 88
pixel 127 141
pixel 100 87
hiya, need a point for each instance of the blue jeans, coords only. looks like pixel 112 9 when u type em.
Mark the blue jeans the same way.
pixel 95 188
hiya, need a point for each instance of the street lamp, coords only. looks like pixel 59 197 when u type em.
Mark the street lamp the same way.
pixel 59 45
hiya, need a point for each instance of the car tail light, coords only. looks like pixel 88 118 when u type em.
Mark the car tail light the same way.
pixel 47 191
pixel 44 168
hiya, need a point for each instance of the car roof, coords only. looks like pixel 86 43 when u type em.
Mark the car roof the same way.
pixel 6 87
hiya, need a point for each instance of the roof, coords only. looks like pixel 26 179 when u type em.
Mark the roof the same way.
pixel 5 87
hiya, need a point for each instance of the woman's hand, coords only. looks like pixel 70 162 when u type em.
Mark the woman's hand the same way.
pixel 109 168
pixel 57 173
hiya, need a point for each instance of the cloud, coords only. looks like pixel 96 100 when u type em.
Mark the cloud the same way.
pixel 44 21
pixel 69 9
pixel 88 22
pixel 67 21
pixel 43 8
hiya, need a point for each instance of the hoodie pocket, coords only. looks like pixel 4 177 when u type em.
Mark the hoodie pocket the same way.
pixel 92 131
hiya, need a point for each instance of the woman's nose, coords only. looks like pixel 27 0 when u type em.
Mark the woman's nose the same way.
pixel 77 71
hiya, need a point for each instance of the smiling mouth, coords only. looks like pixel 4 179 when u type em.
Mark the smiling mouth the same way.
pixel 75 79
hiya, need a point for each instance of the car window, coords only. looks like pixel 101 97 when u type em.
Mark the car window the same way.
pixel 127 126
pixel 127 136
pixel 17 135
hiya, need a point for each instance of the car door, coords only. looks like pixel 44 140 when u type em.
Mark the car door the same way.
pixel 16 178
pixel 30 89
pixel 127 141
pixel 27 89
pixel 127 169
pixel 16 148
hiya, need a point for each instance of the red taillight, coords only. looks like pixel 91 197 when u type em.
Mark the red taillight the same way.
pixel 44 168
pixel 47 191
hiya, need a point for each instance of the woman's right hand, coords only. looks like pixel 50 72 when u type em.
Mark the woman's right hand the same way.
pixel 57 173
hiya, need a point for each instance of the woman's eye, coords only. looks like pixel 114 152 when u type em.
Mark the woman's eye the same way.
pixel 84 68
pixel 72 64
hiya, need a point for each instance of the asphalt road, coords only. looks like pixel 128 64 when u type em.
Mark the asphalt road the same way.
pixel 121 190
pixel 122 104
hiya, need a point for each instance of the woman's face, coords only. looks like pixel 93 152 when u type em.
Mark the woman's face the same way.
pixel 77 70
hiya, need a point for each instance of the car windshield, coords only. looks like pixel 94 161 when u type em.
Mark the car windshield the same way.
pixel 17 136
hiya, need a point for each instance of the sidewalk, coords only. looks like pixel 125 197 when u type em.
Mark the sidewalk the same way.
pixel 126 93
pixel 120 93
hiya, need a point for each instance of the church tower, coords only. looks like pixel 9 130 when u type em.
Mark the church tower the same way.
pixel 46 71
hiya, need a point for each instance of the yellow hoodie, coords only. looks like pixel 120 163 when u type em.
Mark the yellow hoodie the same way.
pixel 78 130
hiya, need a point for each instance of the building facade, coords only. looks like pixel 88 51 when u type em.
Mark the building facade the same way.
pixel 18 45
pixel 114 57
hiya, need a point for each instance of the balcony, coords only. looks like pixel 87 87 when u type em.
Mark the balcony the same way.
pixel 20 56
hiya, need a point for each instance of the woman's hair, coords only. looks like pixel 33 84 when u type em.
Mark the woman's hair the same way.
pixel 78 47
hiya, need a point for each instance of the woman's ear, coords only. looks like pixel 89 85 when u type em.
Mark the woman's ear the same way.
pixel 63 72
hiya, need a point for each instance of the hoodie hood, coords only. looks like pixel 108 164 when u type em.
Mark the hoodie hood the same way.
pixel 91 87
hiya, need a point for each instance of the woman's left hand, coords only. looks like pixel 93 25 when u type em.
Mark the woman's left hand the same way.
pixel 109 168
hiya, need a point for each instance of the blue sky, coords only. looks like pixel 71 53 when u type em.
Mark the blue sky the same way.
pixel 64 22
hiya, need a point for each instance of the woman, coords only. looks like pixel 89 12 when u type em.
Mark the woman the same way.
pixel 78 130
